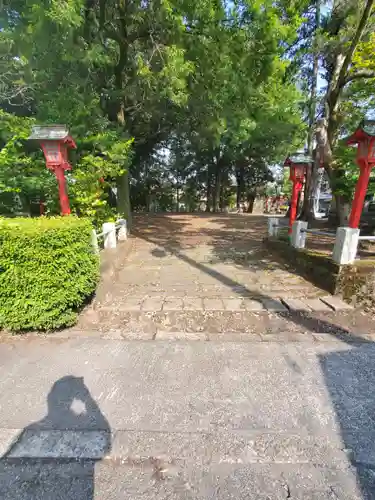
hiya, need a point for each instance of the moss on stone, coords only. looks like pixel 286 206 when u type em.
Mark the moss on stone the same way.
pixel 355 282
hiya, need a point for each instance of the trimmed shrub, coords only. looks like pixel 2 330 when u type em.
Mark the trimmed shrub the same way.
pixel 47 271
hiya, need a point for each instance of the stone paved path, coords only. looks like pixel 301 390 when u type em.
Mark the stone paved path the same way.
pixel 186 276
pixel 202 257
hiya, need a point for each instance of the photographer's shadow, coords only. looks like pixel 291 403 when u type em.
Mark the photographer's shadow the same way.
pixel 55 457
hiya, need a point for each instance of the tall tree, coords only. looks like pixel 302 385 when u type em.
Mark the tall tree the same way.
pixel 348 25
pixel 312 176
pixel 205 79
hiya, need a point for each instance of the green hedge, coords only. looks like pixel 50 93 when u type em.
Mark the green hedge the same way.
pixel 47 271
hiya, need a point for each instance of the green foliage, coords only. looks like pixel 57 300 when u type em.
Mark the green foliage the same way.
pixel 47 271
pixel 104 156
pixel 287 185
pixel 205 79
pixel 24 178
pixel 23 175
pixel 363 58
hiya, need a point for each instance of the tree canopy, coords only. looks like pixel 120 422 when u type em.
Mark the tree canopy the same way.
pixel 178 103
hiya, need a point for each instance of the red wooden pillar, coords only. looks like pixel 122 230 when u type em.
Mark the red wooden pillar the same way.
pixel 42 207
pixel 364 138
pixel 64 200
pixel 298 165
pixel 297 186
pixel 359 196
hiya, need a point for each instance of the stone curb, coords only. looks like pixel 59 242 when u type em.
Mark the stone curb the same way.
pixel 229 304
pixel 136 446
pixel 202 336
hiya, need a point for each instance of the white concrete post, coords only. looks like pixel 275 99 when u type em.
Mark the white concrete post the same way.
pixel 273 226
pixel 109 230
pixel 298 234
pixel 122 232
pixel 346 243
pixel 94 241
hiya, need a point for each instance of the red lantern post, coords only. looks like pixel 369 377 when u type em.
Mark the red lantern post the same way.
pixel 55 141
pixel 364 136
pixel 298 165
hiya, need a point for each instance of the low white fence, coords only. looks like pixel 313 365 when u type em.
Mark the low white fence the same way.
pixel 345 239
pixel 111 233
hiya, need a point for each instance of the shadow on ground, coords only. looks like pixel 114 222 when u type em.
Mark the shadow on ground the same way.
pixel 49 459
pixel 232 237
pixel 350 379
pixel 349 374
pixel 236 239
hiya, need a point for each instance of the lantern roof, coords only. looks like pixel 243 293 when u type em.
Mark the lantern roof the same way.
pixel 49 132
pixel 299 158
pixel 56 132
pixel 365 130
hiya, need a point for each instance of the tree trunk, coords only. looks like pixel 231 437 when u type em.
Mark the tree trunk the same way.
pixel 208 189
pixel 123 198
pixel 299 203
pixel 222 201
pixel 216 197
pixel 250 205
pixel 314 81
pixel 240 185
pixel 148 203
pixel 342 210
pixel 307 212
pixel 338 78
pixel 238 197
pixel 308 209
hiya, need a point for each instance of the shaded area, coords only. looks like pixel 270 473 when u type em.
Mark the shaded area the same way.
pixel 350 379
pixel 324 244
pixel 54 458
pixel 236 239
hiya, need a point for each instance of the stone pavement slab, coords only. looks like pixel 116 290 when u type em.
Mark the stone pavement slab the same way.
pixel 152 479
pixel 336 303
pixel 199 448
pixel 296 304
pixel 173 304
pixel 284 337
pixel 274 305
pixel 233 304
pixel 210 304
pixel 186 419
pixel 253 305
pixel 193 304
pixel 60 444
pixel 145 324
pixel 131 304
pixel 317 305
pixel 153 304
pixel 173 335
